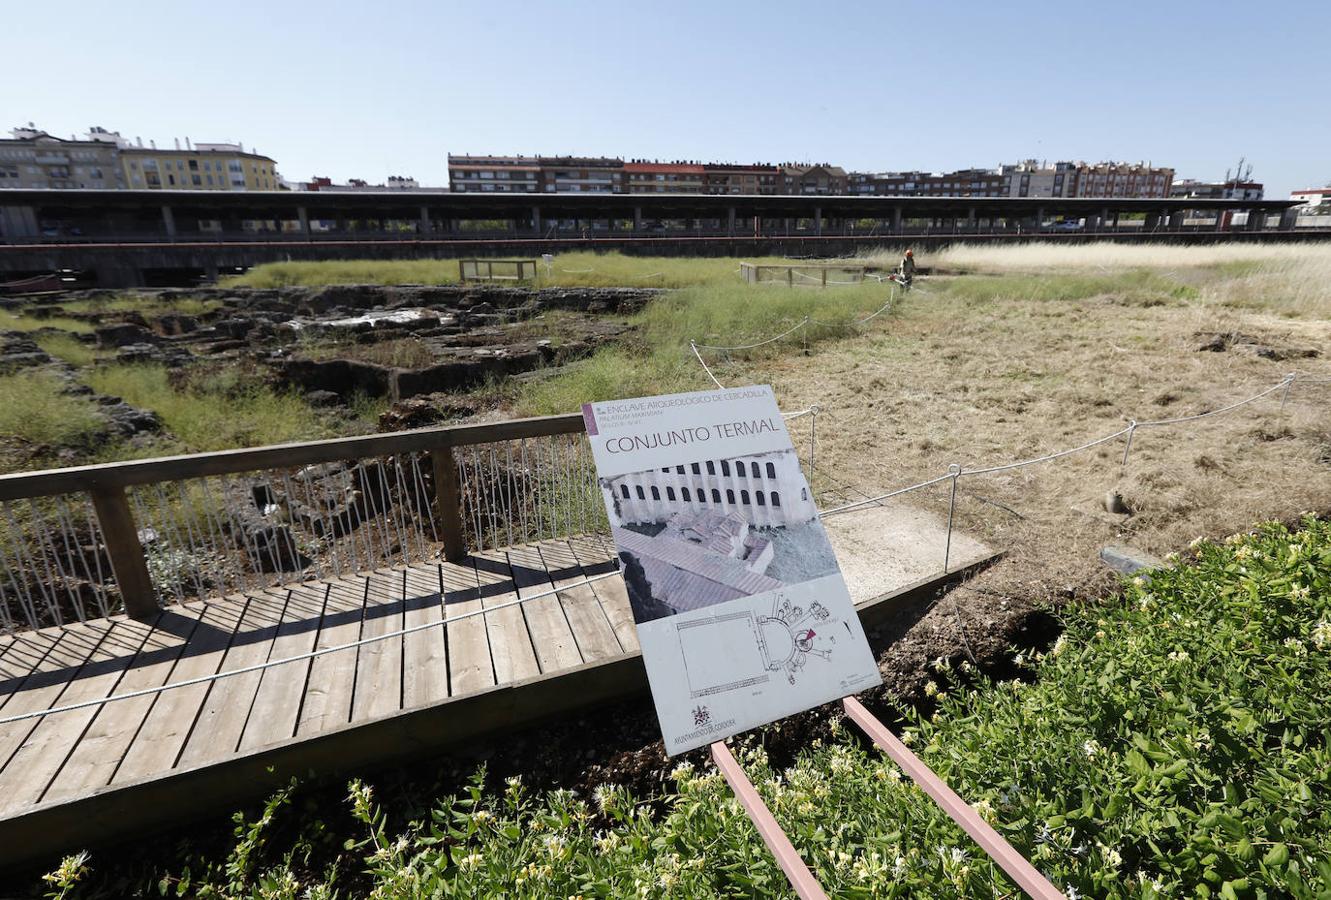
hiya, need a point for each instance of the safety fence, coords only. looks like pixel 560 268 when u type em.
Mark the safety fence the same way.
pixel 811 274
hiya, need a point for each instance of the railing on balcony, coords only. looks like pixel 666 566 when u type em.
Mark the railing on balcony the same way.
pixel 85 542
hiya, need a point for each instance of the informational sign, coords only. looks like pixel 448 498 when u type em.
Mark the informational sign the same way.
pixel 742 613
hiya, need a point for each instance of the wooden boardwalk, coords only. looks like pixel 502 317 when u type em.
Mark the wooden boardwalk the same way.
pixel 522 636
pixel 99 749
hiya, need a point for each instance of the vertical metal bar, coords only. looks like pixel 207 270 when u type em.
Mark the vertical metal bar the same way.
pixel 74 554
pixel 1013 863
pixel 506 490
pixel 95 536
pixel 47 587
pixel 955 471
pixel 801 879
pixel 1127 448
pixel 1284 395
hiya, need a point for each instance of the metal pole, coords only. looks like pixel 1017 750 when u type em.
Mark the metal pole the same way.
pixel 801 879
pixel 1284 395
pixel 1132 429
pixel 955 471
pixel 1013 863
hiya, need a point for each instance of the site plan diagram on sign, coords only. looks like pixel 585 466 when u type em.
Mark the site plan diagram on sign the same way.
pixel 741 609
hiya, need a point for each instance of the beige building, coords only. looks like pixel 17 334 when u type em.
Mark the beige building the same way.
pixel 200 167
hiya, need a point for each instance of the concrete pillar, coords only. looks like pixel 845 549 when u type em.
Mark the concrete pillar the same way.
pixel 730 221
pixel 818 220
pixel 1104 217
pixel 896 220
pixel 1152 221
pixel 1039 219
pixel 536 219
pixel 637 218
pixel 303 216
pixel 210 272
pixel 169 221
pixel 970 218
pixel 425 223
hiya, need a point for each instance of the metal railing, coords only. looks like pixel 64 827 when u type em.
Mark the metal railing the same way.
pixel 85 542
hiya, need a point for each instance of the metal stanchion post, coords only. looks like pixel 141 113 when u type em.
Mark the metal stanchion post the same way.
pixel 955 471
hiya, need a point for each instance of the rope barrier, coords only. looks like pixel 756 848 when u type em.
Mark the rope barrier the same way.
pixel 771 340
pixel 1132 426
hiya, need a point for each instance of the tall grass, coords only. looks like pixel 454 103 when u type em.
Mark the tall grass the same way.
pixel 1042 256
pixel 583 269
pixel 34 411
pixel 148 306
pixel 10 321
pixel 65 346
pixel 658 359
pixel 216 413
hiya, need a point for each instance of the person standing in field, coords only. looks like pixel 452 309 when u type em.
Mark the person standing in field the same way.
pixel 907 268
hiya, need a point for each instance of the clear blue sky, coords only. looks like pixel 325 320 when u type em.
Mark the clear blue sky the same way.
pixel 369 89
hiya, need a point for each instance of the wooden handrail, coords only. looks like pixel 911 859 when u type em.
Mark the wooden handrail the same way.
pixel 109 476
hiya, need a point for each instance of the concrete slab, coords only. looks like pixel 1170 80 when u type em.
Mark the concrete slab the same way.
pixel 884 548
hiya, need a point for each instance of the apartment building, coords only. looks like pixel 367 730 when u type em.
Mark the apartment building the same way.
pixel 1313 196
pixel 502 174
pixel 32 158
pixel 1030 178
pixel 962 183
pixel 725 178
pixel 815 179
pixel 1219 190
pixel 197 167
pixel 642 177
pixel 582 174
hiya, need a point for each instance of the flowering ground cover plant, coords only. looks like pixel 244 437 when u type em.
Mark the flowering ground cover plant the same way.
pixel 1174 741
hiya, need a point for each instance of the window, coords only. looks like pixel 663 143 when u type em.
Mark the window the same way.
pixel 725 467
pixel 771 470
pixel 670 493
pixel 687 497
pixel 695 469
pixel 656 493
pixel 762 498
pixel 711 467
pixel 170 179
pixel 716 496
pixel 757 472
pixel 196 179
pixel 776 499
pixel 804 493
pixel 194 165
pixel 679 470
pixel 744 497
pixel 730 496
pixel 641 495
pixel 739 468
pixel 624 491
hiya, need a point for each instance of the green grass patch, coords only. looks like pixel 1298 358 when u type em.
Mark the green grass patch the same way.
pixel 66 347
pixel 11 321
pixel 33 411
pixel 215 411
pixel 147 306
pixel 1173 741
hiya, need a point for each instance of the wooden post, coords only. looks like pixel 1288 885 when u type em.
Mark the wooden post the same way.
pixel 448 495
pixel 128 563
pixel 801 879
pixel 824 276
pixel 790 276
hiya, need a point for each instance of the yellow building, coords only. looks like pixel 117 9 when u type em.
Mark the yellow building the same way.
pixel 202 167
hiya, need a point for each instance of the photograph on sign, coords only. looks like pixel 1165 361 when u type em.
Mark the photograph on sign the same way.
pixel 741 609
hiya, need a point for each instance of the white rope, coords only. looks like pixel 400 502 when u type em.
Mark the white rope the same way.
pixel 1288 379
pixel 771 340
pixel 694 347
pixel 1047 457
pixel 257 667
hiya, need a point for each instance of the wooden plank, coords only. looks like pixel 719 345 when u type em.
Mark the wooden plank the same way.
pixel 424 653
pixel 328 690
pixel 159 741
pixel 281 688
pixel 470 666
pixel 510 642
pixel 37 760
pixel 24 652
pixel 43 688
pixel 103 745
pixel 595 554
pixel 591 627
pixel 222 716
pixel 76 479
pixel 378 689
pixel 551 633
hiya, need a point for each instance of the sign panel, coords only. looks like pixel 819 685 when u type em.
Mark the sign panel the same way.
pixel 741 609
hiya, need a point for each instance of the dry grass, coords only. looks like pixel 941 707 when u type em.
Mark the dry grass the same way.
pixel 956 379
